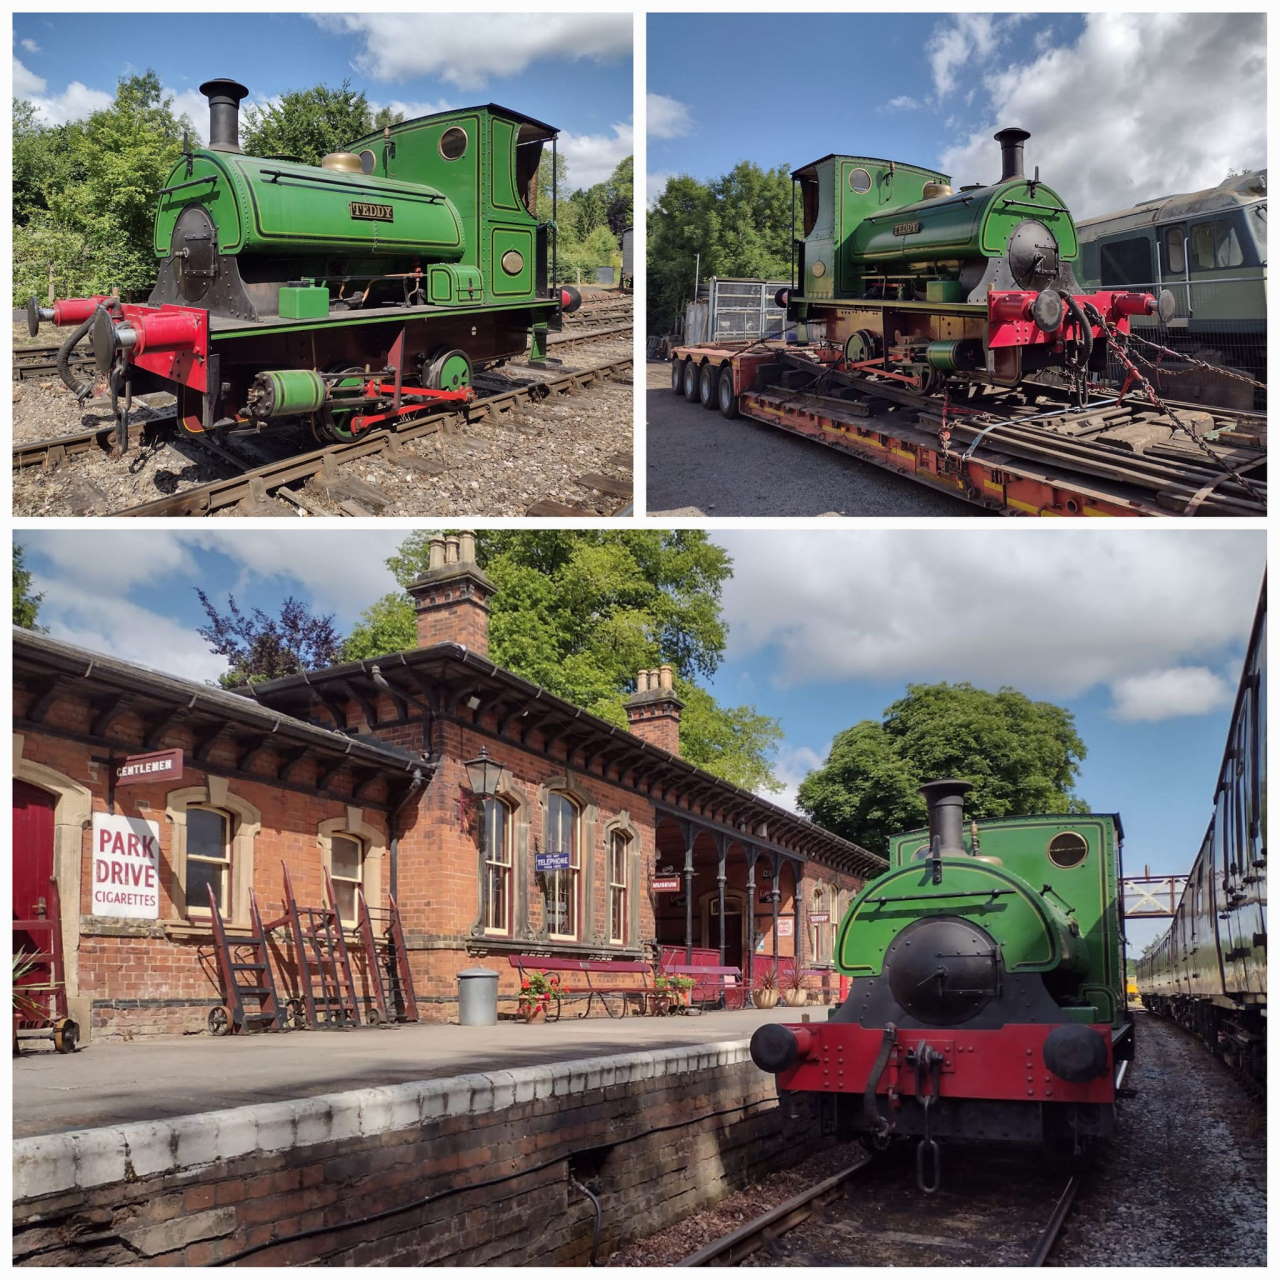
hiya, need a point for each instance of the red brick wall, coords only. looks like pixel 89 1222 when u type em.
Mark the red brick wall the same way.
pixel 453 612
pixel 657 724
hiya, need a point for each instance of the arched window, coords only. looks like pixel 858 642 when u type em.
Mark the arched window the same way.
pixel 562 886
pixel 346 866
pixel 209 833
pixel 496 839
pixel 619 886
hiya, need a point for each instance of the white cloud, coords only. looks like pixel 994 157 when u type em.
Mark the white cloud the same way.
pixel 667 117
pixel 111 562
pixel 592 157
pixel 413 110
pixel 114 626
pixel 959 42
pixel 195 106
pixel 1052 615
pixel 74 103
pixel 1176 691
pixel 1180 128
pixel 655 185
pixel 791 766
pixel 903 103
pixel 30 46
pixel 485 46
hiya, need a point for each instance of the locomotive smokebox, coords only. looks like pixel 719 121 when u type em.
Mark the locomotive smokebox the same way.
pixel 945 799
pixel 1011 141
pixel 224 113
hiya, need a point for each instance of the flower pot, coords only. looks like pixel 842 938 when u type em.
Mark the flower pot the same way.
pixel 534 1012
pixel 765 998
pixel 795 996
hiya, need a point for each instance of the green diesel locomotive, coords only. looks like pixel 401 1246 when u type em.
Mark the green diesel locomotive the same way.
pixel 345 293
pixel 987 997
pixel 905 277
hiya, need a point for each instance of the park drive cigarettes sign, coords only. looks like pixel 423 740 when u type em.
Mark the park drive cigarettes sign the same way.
pixel 126 857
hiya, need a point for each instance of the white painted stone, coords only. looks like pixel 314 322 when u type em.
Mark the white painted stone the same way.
pixel 237 1132
pixel 503 1084
pixel 100 1156
pixel 404 1107
pixel 150 1147
pixel 312 1116
pixel 434 1100
pixel 197 1141
pixel 276 1124
pixel 344 1115
pixel 43 1165
pixel 374 1111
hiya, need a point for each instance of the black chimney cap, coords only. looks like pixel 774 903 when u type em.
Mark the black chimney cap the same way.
pixel 1011 134
pixel 232 89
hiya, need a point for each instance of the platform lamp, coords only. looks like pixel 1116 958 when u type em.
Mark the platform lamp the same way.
pixel 483 774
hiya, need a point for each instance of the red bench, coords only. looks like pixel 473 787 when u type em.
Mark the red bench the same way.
pixel 719 979
pixel 602 987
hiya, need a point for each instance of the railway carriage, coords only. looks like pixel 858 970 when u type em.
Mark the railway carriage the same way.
pixel 344 294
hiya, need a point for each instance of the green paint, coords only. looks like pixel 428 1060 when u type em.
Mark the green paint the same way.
pixel 295 391
pixel 304 302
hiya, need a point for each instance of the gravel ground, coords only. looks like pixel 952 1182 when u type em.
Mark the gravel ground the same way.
pixel 1183 1184
pixel 703 464
pixel 494 468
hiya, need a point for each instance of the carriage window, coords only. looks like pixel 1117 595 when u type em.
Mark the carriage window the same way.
pixel 1215 246
pixel 1126 261
pixel 208 859
pixel 1175 250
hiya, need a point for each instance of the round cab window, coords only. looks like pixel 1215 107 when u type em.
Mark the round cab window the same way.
pixel 453 142
pixel 920 854
pixel 860 181
pixel 367 161
pixel 1067 849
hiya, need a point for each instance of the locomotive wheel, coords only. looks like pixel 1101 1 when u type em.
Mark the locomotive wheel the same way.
pixel 691 372
pixel 727 401
pixel 220 1020
pixel 66 1036
pixel 677 375
pixel 448 370
pixel 332 425
pixel 708 385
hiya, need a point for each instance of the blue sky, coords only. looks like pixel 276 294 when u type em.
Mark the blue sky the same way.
pixel 1121 107
pixel 1140 633
pixel 68 64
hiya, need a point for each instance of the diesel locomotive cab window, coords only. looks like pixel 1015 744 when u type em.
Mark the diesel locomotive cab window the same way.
pixel 562 886
pixel 1215 246
pixel 1126 262
pixel 1175 250
pixel 208 859
pixel 346 866
pixel 497 866
pixel 453 143
pixel 1067 849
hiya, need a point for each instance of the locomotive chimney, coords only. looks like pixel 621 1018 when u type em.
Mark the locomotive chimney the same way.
pixel 945 799
pixel 1011 141
pixel 224 113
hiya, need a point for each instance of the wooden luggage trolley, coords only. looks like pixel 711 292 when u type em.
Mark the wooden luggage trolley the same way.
pixel 386 958
pixel 40 992
pixel 250 1001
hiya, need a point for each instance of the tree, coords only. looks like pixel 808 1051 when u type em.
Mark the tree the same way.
pixel 1022 757
pixel 260 647
pixel 26 604
pixel 579 613
pixel 310 123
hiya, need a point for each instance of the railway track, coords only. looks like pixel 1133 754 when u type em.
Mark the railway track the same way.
pixel 973 1220
pixel 255 489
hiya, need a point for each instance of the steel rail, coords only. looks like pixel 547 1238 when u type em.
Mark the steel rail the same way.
pixel 732 1248
pixel 1053 1228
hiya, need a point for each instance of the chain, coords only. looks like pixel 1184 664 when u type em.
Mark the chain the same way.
pixel 1191 360
pixel 1118 346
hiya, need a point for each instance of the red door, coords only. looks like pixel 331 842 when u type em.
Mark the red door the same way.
pixel 32 870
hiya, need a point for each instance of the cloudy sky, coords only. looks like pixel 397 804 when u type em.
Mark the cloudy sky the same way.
pixel 1140 633
pixel 572 70
pixel 1121 107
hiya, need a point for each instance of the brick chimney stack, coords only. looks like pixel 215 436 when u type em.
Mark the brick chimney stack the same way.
pixel 654 709
pixel 452 598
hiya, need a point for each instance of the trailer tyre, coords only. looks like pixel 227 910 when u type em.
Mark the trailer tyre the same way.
pixel 220 1020
pixel 66 1036
pixel 677 374
pixel 691 378
pixel 708 385
pixel 727 401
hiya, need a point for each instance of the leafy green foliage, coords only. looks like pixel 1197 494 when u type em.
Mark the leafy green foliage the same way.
pixel 310 123
pixel 26 604
pixel 85 192
pixel 737 225
pixel 1022 757
pixel 590 221
pixel 580 612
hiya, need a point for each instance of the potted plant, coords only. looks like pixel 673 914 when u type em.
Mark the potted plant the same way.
pixel 795 995
pixel 672 992
pixel 765 993
pixel 537 990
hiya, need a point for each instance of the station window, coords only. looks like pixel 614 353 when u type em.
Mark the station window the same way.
pixel 1215 246
pixel 1126 261
pixel 497 866
pixel 619 848
pixel 208 859
pixel 346 866
pixel 562 886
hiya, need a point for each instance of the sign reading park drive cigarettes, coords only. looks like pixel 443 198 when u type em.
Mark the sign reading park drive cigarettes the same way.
pixel 126 860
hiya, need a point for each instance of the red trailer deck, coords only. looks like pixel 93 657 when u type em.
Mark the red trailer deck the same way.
pixel 1024 451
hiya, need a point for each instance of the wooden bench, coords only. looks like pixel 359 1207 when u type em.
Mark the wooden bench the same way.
pixel 722 978
pixel 601 986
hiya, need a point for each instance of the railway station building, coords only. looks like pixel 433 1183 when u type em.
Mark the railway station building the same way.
pixel 504 820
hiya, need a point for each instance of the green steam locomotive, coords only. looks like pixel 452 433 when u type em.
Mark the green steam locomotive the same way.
pixel 345 293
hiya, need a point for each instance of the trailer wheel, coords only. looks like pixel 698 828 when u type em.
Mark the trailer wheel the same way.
pixel 66 1035
pixel 677 374
pixel 724 394
pixel 220 1020
pixel 708 383
pixel 691 372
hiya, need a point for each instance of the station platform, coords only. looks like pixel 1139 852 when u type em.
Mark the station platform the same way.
pixel 114 1083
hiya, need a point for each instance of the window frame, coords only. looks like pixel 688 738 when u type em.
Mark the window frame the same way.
pixel 214 793
pixel 508 865
pixel 574 872
pixel 619 890
pixel 362 850
pixel 226 904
